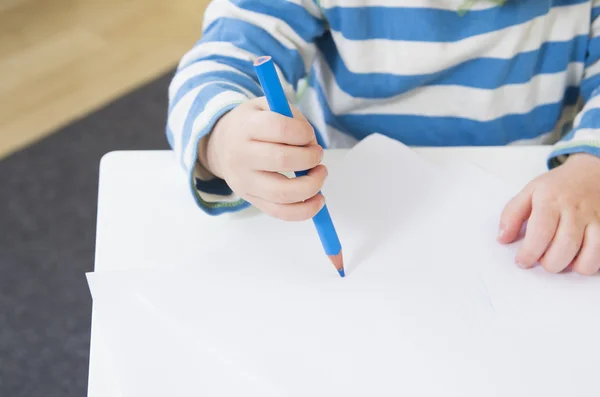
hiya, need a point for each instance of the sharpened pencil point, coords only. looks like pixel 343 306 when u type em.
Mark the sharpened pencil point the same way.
pixel 338 263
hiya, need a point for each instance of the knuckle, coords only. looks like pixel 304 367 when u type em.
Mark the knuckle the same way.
pixel 317 187
pixel 572 242
pixel 308 158
pixel 569 214
pixel 311 188
pixel 317 154
pixel 308 133
pixel 317 184
pixel 570 208
pixel 588 210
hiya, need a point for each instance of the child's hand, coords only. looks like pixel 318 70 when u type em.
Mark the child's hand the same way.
pixel 563 212
pixel 251 145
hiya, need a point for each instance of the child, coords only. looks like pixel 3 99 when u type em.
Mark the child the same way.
pixel 419 71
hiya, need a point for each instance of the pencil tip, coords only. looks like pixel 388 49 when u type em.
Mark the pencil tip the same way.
pixel 338 262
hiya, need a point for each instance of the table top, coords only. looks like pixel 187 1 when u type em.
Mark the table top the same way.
pixel 146 214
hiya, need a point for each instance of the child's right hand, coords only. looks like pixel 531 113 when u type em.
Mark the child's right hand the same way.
pixel 250 146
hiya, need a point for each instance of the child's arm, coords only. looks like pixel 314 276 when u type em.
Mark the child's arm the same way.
pixel 562 207
pixel 217 75
pixel 585 135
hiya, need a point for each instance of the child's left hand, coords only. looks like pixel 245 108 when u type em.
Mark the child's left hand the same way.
pixel 562 210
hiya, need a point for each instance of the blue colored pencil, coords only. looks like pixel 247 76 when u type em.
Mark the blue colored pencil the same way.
pixel 267 75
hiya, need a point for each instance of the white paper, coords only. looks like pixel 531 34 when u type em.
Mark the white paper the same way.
pixel 432 304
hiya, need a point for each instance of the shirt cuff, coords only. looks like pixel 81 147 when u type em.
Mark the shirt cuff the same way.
pixel 212 194
pixel 563 150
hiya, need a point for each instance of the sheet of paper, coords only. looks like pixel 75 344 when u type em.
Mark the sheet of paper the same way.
pixel 514 291
pixel 288 342
pixel 432 305
pixel 222 336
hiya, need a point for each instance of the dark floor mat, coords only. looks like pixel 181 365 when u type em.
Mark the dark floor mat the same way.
pixel 48 197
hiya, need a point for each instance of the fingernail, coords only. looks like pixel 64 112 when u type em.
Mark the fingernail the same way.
pixel 322 153
pixel 518 263
pixel 501 231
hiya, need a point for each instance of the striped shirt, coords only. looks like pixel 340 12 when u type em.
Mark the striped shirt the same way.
pixel 415 70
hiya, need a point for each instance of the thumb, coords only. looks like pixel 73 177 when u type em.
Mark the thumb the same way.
pixel 514 215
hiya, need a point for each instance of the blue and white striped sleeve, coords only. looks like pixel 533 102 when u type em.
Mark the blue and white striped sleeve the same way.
pixel 217 74
pixel 585 135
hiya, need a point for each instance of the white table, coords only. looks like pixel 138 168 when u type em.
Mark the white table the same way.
pixel 144 200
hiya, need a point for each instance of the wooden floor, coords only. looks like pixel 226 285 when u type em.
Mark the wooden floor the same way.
pixel 60 59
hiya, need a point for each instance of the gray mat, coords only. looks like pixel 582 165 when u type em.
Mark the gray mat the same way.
pixel 48 197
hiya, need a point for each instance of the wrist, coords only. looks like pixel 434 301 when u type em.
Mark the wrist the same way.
pixel 583 158
pixel 207 153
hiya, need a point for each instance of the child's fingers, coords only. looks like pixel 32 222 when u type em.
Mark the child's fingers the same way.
pixel 275 157
pixel 261 103
pixel 541 228
pixel 588 260
pixel 290 212
pixel 279 189
pixel 565 246
pixel 273 127
pixel 514 215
